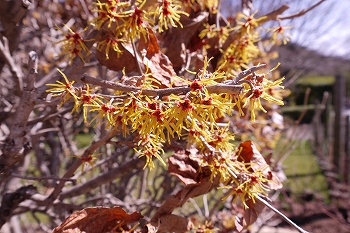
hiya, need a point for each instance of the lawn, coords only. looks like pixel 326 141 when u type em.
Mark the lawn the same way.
pixel 303 171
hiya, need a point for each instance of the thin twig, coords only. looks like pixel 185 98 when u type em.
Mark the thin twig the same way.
pixel 247 72
pixel 275 14
pixel 103 178
pixel 136 57
pixel 302 12
pixel 70 172
pixel 218 88
pixel 42 178
pixel 15 69
pixel 290 222
pixel 306 99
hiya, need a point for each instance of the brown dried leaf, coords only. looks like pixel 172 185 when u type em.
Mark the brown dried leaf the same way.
pixel 117 61
pixel 246 217
pixel 202 186
pixel 96 219
pixel 174 223
pixel 150 44
pixel 250 154
pixel 184 167
pixel 157 62
pixel 252 214
pixel 176 37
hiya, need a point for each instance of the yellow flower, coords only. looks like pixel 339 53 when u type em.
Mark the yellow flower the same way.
pixel 118 114
pixel 279 34
pixel 110 12
pixel 64 90
pixel 110 43
pixel 168 13
pixel 86 99
pixel 212 31
pixel 248 23
pixel 246 185
pixel 105 112
pixel 73 44
pixel 152 118
pixel 149 148
pixel 217 164
pixel 136 23
pixel 260 89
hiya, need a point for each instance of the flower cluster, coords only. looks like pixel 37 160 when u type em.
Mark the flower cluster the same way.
pixel 195 115
pixel 73 44
pixel 201 112
pixel 168 12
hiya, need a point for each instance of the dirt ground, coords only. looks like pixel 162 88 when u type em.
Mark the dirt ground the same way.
pixel 317 217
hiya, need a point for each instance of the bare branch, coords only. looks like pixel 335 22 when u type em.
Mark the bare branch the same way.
pixel 274 15
pixel 42 178
pixel 302 12
pixel 104 178
pixel 10 201
pixel 70 171
pixel 16 142
pixel 15 69
pixel 218 88
pixel 290 222
pixel 247 72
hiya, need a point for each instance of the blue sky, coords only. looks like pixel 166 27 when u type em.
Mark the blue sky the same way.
pixel 325 29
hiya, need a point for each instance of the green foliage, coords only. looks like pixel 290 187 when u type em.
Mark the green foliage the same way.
pixel 303 171
pixel 316 81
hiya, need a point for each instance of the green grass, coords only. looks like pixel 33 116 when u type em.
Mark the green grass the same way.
pixel 84 140
pixel 303 172
pixel 316 81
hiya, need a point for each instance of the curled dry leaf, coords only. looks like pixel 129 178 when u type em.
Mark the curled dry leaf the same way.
pixel 118 62
pixel 250 154
pixel 176 37
pixel 196 183
pixel 174 223
pixel 243 217
pixel 180 198
pixel 185 167
pixel 254 211
pixel 97 219
pixel 157 62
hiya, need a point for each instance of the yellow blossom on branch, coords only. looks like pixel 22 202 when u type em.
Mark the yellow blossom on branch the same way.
pixel 109 12
pixel 168 13
pixel 261 88
pixel 248 23
pixel 136 23
pixel 149 148
pixel 279 34
pixel 247 185
pixel 110 43
pixel 64 90
pixel 73 44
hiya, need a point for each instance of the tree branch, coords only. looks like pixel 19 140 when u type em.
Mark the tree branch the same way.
pixel 70 172
pixel 274 15
pixel 302 12
pixel 10 202
pixel 16 142
pixel 104 178
pixel 15 69
pixel 218 88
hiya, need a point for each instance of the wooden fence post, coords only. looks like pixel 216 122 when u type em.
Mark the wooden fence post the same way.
pixel 347 148
pixel 339 131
